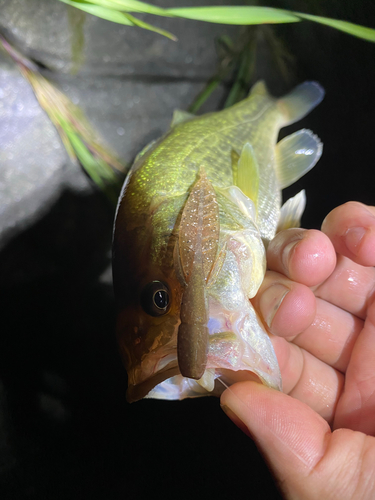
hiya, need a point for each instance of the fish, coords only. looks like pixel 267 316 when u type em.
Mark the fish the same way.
pixel 195 215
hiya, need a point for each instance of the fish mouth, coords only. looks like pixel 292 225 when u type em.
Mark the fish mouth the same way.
pixel 141 390
pixel 238 349
pixel 171 385
pixel 166 380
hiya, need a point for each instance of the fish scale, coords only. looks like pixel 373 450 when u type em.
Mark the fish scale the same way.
pixel 171 168
pixel 236 150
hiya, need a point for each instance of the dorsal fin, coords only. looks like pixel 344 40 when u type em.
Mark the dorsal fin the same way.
pixel 180 116
pixel 259 88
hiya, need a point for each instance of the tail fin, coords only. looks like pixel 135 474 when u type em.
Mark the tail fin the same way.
pixel 300 101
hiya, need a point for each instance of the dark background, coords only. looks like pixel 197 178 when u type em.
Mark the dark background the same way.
pixel 66 430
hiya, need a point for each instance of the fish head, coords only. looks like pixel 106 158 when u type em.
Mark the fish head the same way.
pixel 150 289
pixel 147 329
pixel 148 298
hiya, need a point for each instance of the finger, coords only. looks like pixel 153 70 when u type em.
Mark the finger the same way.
pixel 356 407
pixel 286 307
pixel 351 228
pixel 331 336
pixel 350 286
pixel 305 256
pixel 308 461
pixel 308 379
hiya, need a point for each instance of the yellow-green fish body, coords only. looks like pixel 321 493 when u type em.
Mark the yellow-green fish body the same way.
pixel 183 290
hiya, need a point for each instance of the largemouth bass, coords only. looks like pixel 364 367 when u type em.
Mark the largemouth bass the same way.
pixel 195 215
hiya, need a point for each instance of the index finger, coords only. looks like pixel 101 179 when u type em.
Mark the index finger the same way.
pixel 351 228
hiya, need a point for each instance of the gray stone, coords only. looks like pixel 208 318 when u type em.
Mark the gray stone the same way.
pixel 43 30
pixel 128 84
pixel 34 166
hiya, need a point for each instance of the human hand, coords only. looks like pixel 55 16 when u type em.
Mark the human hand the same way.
pixel 324 338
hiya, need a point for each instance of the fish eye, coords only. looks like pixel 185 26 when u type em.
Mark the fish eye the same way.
pixel 155 298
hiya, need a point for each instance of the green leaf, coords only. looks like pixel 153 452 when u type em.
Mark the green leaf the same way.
pixel 115 15
pixel 102 12
pixel 351 28
pixel 235 15
pixel 204 95
pixel 135 6
pixel 126 6
pixel 115 11
pixel 142 24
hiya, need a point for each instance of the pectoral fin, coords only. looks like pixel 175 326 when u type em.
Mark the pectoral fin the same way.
pixel 248 173
pixel 291 212
pixel 243 202
pixel 295 155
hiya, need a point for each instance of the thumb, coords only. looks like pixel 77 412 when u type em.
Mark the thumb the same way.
pixel 290 435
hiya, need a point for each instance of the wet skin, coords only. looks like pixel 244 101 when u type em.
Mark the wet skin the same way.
pixel 317 436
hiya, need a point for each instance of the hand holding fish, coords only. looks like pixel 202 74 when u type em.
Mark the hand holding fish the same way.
pixel 327 370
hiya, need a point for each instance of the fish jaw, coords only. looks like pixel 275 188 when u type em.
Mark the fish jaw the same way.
pixel 239 349
pixel 149 350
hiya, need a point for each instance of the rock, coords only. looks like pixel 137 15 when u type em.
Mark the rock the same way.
pixel 128 84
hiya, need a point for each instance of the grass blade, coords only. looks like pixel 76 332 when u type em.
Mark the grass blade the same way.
pixel 142 24
pixel 240 15
pixel 102 12
pixel 245 71
pixel 128 6
pixel 204 94
pixel 75 132
pixel 115 11
pixel 345 26
pixel 116 16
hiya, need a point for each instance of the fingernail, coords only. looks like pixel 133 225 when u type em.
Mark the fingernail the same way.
pixel 270 301
pixel 286 253
pixel 353 238
pixel 237 421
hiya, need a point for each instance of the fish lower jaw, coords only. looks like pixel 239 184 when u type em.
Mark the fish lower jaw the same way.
pixel 166 382
pixel 169 384
pixel 213 383
pixel 243 352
